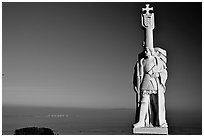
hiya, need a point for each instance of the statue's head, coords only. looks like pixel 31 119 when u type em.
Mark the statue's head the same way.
pixel 148 52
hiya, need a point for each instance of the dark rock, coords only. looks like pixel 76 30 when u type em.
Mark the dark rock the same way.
pixel 33 131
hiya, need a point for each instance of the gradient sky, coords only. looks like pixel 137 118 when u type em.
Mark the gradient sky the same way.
pixel 83 54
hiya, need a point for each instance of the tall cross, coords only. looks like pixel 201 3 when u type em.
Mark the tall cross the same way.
pixel 147 9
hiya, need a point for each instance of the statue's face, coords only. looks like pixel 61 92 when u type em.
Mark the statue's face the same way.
pixel 147 52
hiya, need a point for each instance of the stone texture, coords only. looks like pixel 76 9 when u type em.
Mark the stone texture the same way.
pixel 149 82
pixel 150 131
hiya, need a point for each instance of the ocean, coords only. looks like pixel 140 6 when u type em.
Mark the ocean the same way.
pixel 89 121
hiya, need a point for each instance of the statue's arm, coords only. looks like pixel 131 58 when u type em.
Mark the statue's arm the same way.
pixel 138 75
pixel 162 74
pixel 141 69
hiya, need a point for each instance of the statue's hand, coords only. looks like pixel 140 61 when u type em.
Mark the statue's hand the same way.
pixel 135 89
pixel 155 75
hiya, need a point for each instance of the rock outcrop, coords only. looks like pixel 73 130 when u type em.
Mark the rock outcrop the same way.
pixel 34 131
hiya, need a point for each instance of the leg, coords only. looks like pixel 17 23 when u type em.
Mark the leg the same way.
pixel 143 111
pixel 162 114
pixel 154 109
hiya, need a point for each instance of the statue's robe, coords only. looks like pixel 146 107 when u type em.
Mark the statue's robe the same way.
pixel 142 82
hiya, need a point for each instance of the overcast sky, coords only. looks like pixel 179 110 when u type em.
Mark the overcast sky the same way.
pixel 83 54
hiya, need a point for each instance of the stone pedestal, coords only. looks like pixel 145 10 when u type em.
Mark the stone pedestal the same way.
pixel 150 131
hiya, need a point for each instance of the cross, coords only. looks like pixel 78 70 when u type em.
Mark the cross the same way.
pixel 147 9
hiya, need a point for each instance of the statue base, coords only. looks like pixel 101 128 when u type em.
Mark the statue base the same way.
pixel 151 131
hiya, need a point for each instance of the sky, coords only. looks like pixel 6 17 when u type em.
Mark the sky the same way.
pixel 83 54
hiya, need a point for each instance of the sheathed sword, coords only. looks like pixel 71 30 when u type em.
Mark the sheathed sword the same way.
pixel 137 89
pixel 138 83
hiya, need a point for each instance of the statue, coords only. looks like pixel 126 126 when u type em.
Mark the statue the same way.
pixel 149 79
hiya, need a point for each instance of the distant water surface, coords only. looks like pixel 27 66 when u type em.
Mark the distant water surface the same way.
pixel 76 121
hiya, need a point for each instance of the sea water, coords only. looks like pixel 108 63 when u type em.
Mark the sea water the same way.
pixel 87 121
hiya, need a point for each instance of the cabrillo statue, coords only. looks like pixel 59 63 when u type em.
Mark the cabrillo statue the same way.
pixel 149 82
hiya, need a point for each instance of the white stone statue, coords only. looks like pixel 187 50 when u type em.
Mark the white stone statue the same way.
pixel 149 80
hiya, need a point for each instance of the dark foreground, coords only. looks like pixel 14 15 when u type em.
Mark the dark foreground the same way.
pixel 34 131
pixel 76 121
